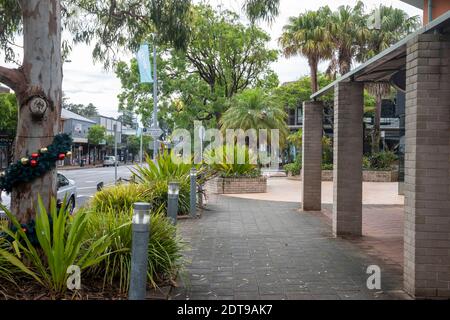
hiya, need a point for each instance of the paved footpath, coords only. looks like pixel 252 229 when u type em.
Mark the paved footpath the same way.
pixel 254 249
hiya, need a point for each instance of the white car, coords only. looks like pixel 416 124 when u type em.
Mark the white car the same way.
pixel 109 161
pixel 66 188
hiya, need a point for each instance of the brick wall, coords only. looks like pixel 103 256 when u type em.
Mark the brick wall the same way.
pixel 312 156
pixel 220 185
pixel 348 153
pixel 427 168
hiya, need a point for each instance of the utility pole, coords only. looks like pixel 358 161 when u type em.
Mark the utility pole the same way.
pixel 155 98
pixel 142 146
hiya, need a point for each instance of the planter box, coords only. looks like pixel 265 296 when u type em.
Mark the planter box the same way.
pixel 380 176
pixel 368 176
pixel 220 185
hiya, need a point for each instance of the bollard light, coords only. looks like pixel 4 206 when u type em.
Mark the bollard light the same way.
pixel 172 205
pixel 141 214
pixel 174 188
pixel 139 251
pixel 193 197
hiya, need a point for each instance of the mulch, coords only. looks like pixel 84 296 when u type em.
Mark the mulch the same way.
pixel 29 290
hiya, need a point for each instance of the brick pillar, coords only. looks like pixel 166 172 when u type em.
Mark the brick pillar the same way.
pixel 312 156
pixel 427 168
pixel 348 152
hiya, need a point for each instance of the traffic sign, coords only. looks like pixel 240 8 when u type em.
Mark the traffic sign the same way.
pixel 154 132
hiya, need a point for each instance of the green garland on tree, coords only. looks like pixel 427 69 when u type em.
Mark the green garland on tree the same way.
pixel 37 164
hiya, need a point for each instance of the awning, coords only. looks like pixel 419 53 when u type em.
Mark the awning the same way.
pixel 383 66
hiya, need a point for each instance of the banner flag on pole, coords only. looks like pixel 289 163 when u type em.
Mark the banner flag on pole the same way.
pixel 145 68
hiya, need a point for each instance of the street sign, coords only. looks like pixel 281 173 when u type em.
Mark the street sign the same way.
pixel 154 132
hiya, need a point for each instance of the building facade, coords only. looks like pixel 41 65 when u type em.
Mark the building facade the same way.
pixel 78 127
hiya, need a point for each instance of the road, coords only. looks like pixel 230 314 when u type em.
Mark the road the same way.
pixel 87 179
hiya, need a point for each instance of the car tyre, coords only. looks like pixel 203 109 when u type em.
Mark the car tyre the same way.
pixel 71 205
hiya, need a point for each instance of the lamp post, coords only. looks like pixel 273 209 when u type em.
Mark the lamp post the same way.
pixel 155 97
pixel 115 153
pixel 172 205
pixel 139 251
pixel 193 198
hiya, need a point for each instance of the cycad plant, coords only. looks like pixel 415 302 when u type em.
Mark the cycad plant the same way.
pixel 233 161
pixel 60 244
pixel 164 168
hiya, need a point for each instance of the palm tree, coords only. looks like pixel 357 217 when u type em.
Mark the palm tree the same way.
pixel 307 35
pixel 395 25
pixel 255 109
pixel 348 31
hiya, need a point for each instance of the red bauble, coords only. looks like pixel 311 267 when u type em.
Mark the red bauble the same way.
pixel 61 156
pixel 34 155
pixel 33 163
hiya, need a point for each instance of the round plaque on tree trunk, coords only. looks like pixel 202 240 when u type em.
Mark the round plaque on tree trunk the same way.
pixel 38 106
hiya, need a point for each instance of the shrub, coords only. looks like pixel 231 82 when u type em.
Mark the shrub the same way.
pixel 155 179
pixel 227 163
pixel 61 243
pixel 156 193
pixel 164 169
pixel 382 160
pixel 164 249
pixel 327 166
pixel 327 150
pixel 7 271
pixel 295 167
pixel 118 198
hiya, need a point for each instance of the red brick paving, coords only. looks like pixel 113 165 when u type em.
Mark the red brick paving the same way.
pixel 382 231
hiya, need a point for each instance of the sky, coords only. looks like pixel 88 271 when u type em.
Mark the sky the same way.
pixel 85 82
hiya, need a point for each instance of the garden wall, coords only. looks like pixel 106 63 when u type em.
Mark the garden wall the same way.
pixel 220 185
pixel 368 176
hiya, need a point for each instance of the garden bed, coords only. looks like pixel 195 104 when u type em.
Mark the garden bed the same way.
pixel 368 176
pixel 27 290
pixel 220 185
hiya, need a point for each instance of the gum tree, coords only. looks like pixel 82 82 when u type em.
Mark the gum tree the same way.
pixel 37 81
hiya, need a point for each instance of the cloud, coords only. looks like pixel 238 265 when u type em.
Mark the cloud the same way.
pixel 86 82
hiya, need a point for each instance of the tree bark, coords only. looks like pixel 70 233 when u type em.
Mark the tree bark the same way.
pixel 313 71
pixel 42 76
pixel 377 124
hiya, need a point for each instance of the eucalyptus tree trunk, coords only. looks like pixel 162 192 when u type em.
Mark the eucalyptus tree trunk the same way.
pixel 37 84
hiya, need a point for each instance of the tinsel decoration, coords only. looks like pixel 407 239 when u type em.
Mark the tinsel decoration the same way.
pixel 29 168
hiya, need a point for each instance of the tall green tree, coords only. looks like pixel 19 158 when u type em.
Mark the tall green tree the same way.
pixel 109 25
pixel 347 28
pixel 96 135
pixel 395 25
pixel 307 35
pixel 255 109
pixel 87 111
pixel 8 112
pixel 223 58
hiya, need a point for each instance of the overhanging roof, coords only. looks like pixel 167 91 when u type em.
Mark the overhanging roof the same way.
pixel 415 3
pixel 382 66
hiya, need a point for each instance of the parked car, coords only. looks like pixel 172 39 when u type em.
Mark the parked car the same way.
pixel 109 161
pixel 66 188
